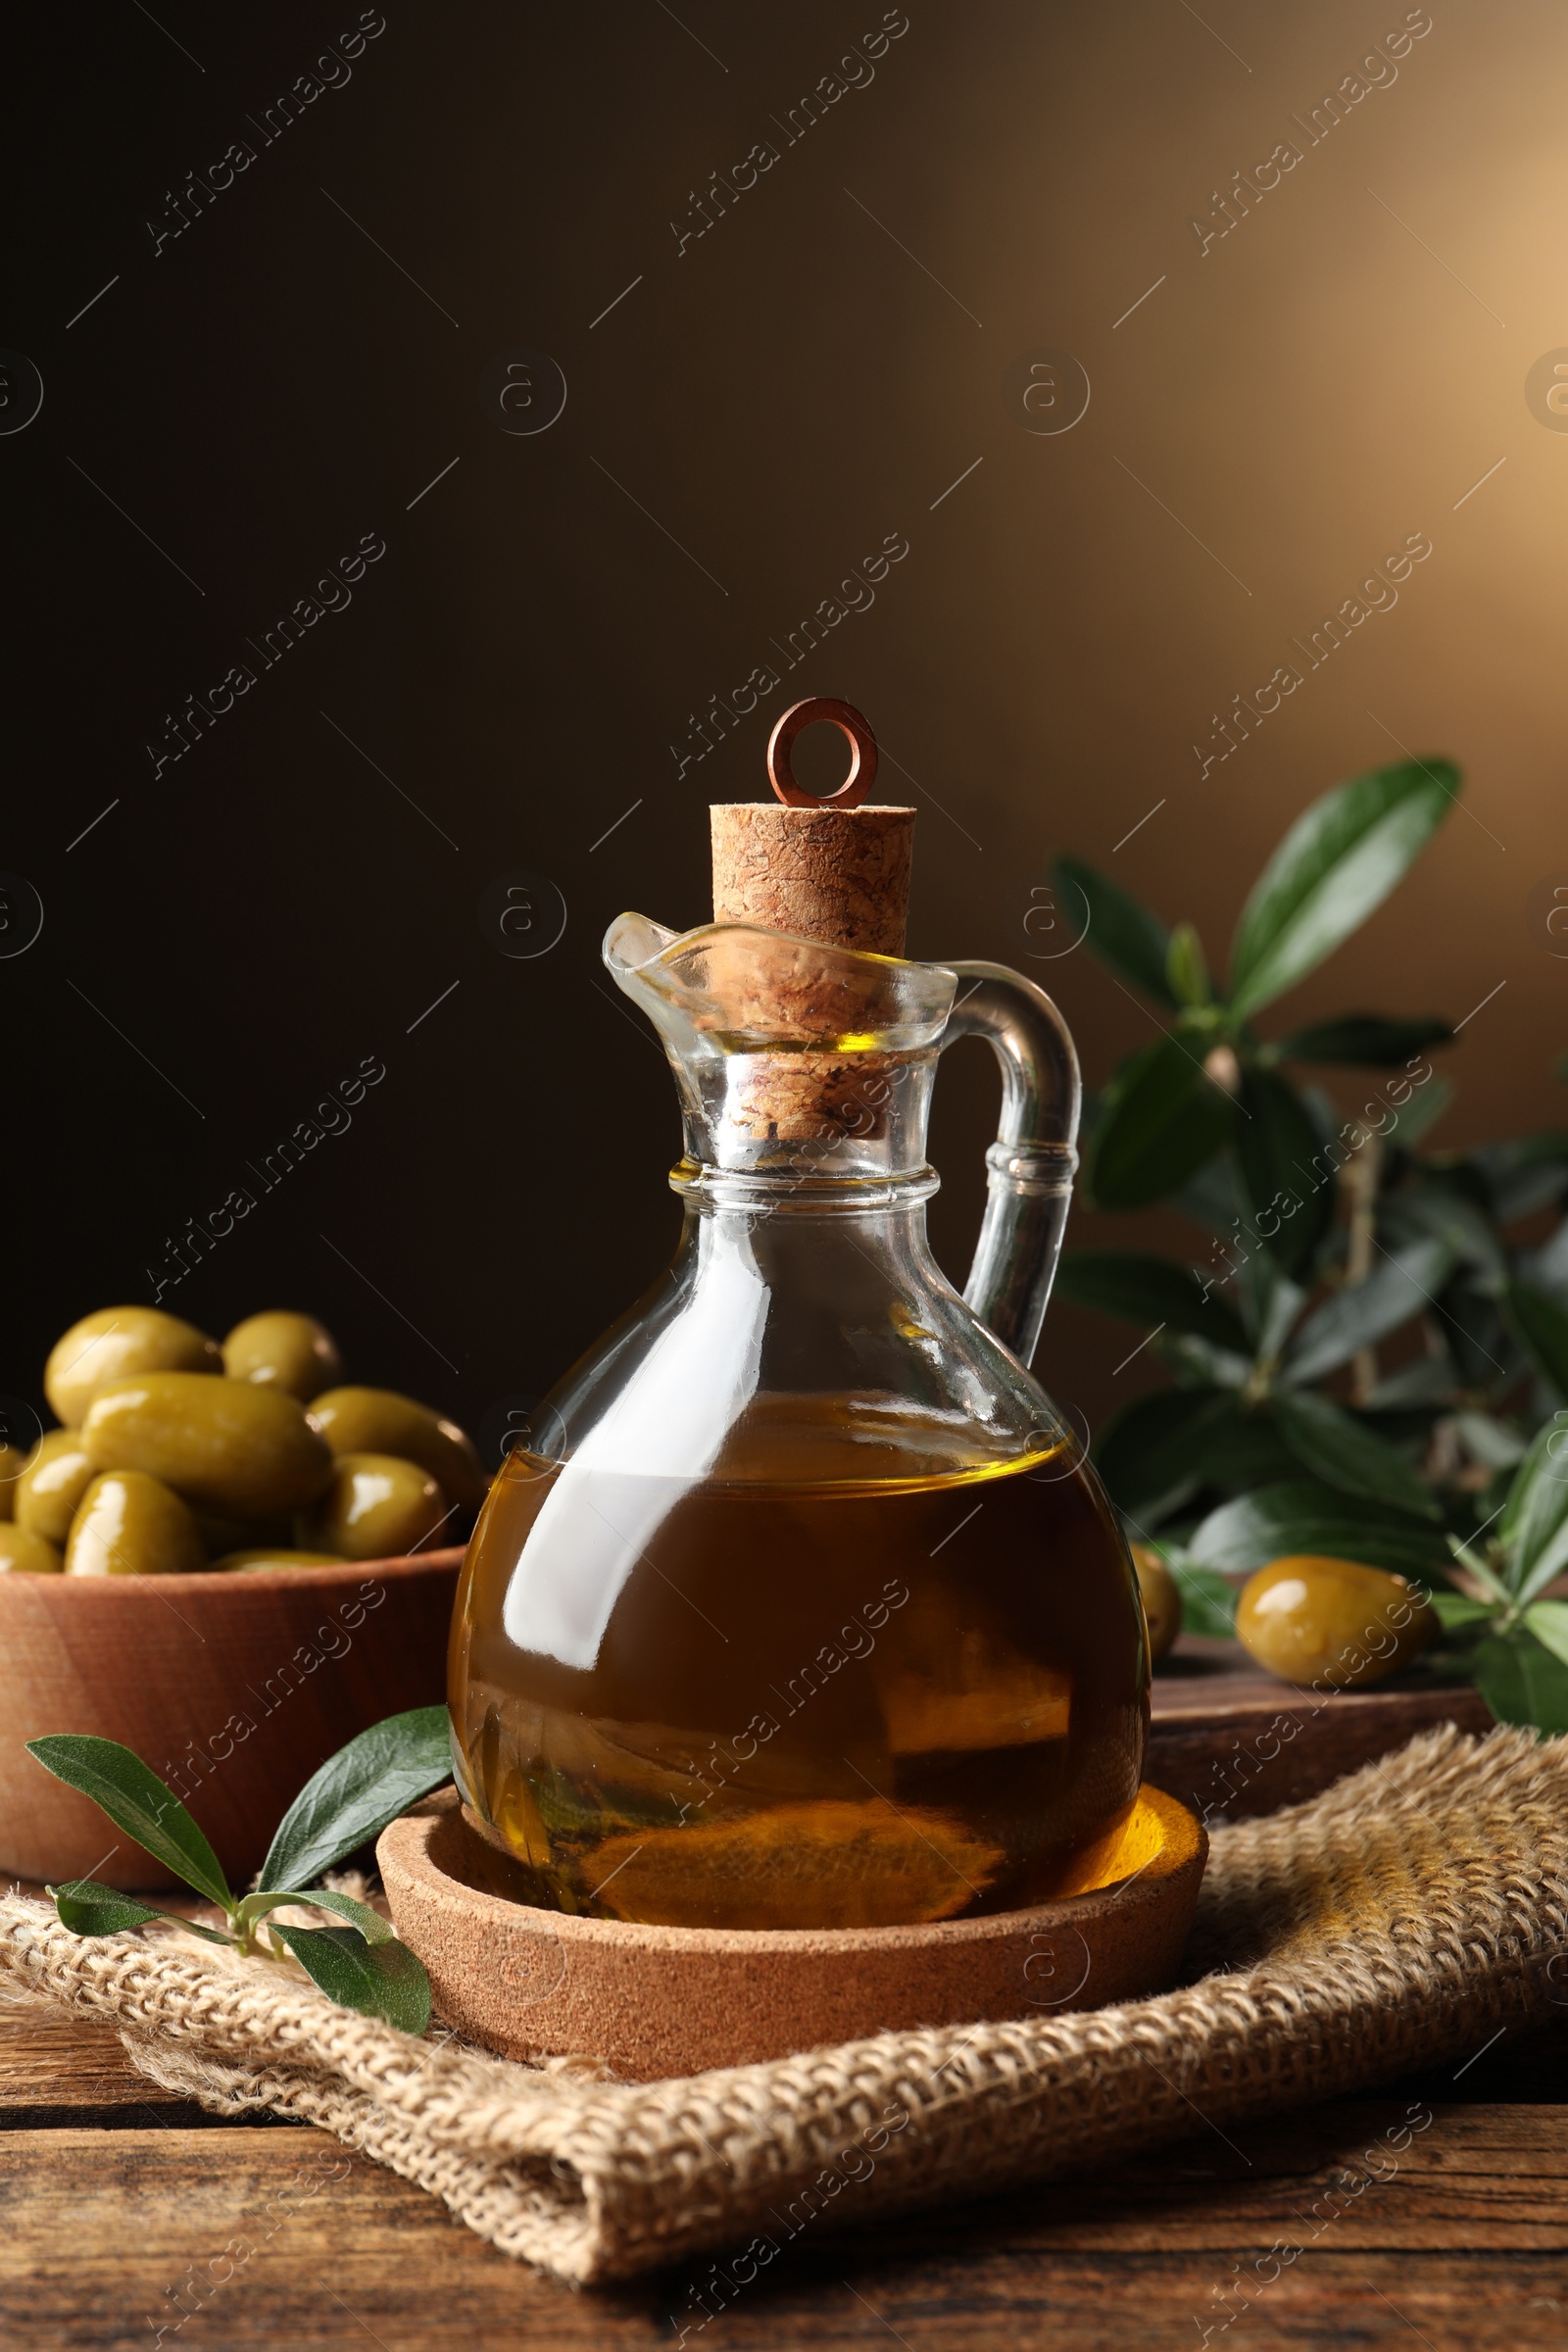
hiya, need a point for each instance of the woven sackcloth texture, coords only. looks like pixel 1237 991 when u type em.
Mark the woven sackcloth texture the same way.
pixel 1401 1918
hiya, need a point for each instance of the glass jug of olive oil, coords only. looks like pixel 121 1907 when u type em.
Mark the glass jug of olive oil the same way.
pixel 802 1607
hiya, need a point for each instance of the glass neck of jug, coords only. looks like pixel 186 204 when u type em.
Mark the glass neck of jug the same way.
pixel 803 1071
pixel 805 1075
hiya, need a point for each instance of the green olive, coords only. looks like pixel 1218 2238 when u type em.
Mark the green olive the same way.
pixel 1163 1600
pixel 379 1421
pixel 20 1551
pixel 114 1342
pixel 278 1555
pixel 377 1509
pixel 134 1525
pixel 284 1350
pixel 14 1459
pixel 225 1443
pixel 57 1477
pixel 1315 1620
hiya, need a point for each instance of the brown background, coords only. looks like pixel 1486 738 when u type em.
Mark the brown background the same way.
pixel 1277 416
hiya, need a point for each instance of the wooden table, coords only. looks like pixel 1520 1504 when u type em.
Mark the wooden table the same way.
pixel 124 2213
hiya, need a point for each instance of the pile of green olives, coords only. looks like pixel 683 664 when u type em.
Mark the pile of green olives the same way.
pixel 176 1454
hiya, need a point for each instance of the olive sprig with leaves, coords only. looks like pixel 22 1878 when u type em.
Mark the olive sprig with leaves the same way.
pixel 352 1799
pixel 1247 1367
pixel 1208 1081
pixel 1330 1240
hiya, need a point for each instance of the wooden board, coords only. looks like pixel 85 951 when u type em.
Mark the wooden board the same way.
pixel 1229 1739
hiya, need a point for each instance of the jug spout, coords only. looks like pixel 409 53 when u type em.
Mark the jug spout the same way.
pixel 740 987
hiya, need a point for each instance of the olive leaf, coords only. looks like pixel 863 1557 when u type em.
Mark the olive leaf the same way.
pixel 136 1801
pixel 1133 942
pixel 88 1908
pixel 1347 1454
pixel 1542 1329
pixel 1357 1317
pixel 1337 864
pixel 1472 1330
pixel 1458 1612
pixel 1212 1197
pixel 1302 1516
pixel 1525 1175
pixel 1143 1289
pixel 1365 1040
pixel 1548 1620
pixel 1547 1565
pixel 1546 1269
pixel 1486 1576
pixel 1187 969
pixel 1533 1527
pixel 1522 1681
pixel 1162 1118
pixel 358 1791
pixel 1275 1143
pixel 378 1979
pixel 1428 1381
pixel 1150 1457
pixel 1275 1301
pixel 1198 1363
pixel 1412 1118
pixel 1446 1215
pixel 1496 1445
pixel 1208 1601
pixel 370 1925
pixel 1243 1450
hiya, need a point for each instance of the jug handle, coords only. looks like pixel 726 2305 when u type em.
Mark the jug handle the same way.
pixel 1034 1159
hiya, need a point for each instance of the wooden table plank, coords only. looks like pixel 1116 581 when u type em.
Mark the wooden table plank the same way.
pixel 261 2237
pixel 53 2074
pixel 58 2070
pixel 1229 1739
pixel 62 2070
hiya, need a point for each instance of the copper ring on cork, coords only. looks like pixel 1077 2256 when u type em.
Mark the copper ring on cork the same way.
pixel 862 745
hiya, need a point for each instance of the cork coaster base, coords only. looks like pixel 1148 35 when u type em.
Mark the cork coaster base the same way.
pixel 650 2002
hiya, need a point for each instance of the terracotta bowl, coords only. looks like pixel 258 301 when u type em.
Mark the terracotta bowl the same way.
pixel 656 2002
pixel 233 1687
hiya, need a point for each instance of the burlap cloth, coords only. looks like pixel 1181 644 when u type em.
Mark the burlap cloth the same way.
pixel 1400 1919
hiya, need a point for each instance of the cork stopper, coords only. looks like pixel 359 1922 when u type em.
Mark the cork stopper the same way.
pixel 834 870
